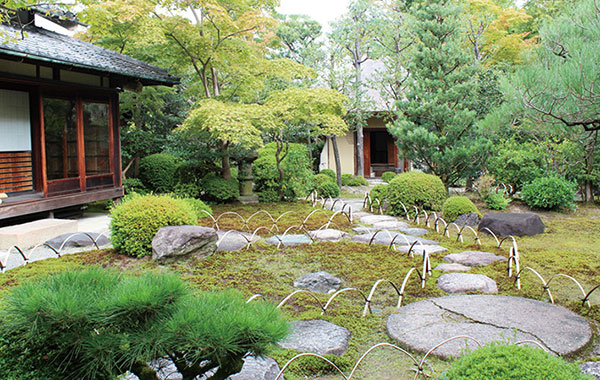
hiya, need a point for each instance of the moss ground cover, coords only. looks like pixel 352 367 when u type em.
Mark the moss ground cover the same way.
pixel 571 245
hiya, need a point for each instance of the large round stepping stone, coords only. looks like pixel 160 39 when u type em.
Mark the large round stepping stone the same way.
pixel 289 239
pixel 320 282
pixel 473 258
pixel 372 219
pixel 516 224
pixel 390 225
pixel 234 240
pixel 424 324
pixel 452 268
pixel 317 336
pixel 466 282
pixel 328 234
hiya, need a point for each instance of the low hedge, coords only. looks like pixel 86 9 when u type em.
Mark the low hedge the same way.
pixel 350 180
pixel 378 192
pixel 426 191
pixel 387 177
pixel 330 173
pixel 328 189
pixel 456 206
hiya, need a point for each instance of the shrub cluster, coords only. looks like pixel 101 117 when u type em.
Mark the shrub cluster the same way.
pixel 297 173
pixel 99 323
pixel 157 172
pixel 328 189
pixel 378 192
pixel 496 200
pixel 139 217
pixel 548 193
pixel 425 191
pixel 350 180
pixel 218 189
pixel 501 361
pixel 330 173
pixel 320 179
pixel 134 185
pixel 387 177
pixel 456 206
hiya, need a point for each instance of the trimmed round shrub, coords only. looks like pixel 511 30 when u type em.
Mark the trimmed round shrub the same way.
pixel 330 173
pixel 219 190
pixel 387 177
pixel 456 206
pixel 378 192
pixel 548 193
pixel 157 172
pixel 495 200
pixel 198 207
pixel 501 361
pixel 425 191
pixel 350 180
pixel 320 179
pixel 134 185
pixel 137 219
pixel 328 189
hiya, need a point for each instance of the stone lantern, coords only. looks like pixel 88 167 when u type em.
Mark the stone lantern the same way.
pixel 246 178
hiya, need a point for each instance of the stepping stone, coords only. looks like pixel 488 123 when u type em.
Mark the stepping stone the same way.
pixel 372 219
pixel 328 234
pixel 78 240
pixel 390 225
pixel 418 249
pixel 318 336
pixel 452 268
pixel 289 240
pixel 360 214
pixel 414 231
pixel 256 368
pixel 234 241
pixel 320 282
pixel 591 368
pixel 473 258
pixel 363 230
pixel 466 282
pixel 386 237
pixel 421 325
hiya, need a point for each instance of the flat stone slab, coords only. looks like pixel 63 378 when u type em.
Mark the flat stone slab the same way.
pixel 424 324
pixel 418 249
pixel 289 240
pixel 78 240
pixel 328 234
pixel 452 268
pixel 466 282
pixel 390 225
pixel 28 235
pixel 473 258
pixel 591 368
pixel 232 240
pixel 360 214
pixel 372 219
pixel 386 237
pixel 317 336
pixel 414 231
pixel 320 282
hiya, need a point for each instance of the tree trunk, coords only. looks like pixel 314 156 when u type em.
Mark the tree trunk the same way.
pixel 226 163
pixel 143 371
pixel 338 163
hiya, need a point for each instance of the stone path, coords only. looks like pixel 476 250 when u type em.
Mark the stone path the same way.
pixel 421 325
pixel 319 282
pixel 317 336
pixel 466 282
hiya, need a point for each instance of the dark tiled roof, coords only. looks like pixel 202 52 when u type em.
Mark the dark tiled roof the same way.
pixel 44 45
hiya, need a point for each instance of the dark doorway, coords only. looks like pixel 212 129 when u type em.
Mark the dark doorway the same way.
pixel 379 147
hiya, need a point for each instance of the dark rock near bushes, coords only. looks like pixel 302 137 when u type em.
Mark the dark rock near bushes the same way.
pixel 182 242
pixel 321 282
pixel 471 220
pixel 78 240
pixel 515 224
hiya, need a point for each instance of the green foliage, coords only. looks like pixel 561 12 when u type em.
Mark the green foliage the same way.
pixel 350 180
pixel 548 193
pixel 138 218
pixel 188 190
pixel 191 170
pixel 425 191
pixel 501 361
pixel 379 192
pixel 328 189
pixel 517 163
pixel 496 200
pixel 134 185
pixel 485 185
pixel 387 177
pixel 219 190
pixel 320 179
pixel 157 172
pixel 436 123
pixel 330 173
pixel 198 207
pixel 456 206
pixel 132 319
pixel 297 172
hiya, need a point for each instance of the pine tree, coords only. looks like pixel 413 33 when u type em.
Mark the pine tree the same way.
pixel 436 122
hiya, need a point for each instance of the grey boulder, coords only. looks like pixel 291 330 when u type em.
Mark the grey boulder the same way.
pixel 257 368
pixel 515 224
pixel 473 258
pixel 317 336
pixel 320 282
pixel 182 242
pixel 466 282
pixel 470 220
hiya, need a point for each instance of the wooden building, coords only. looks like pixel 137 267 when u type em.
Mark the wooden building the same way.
pixel 59 118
